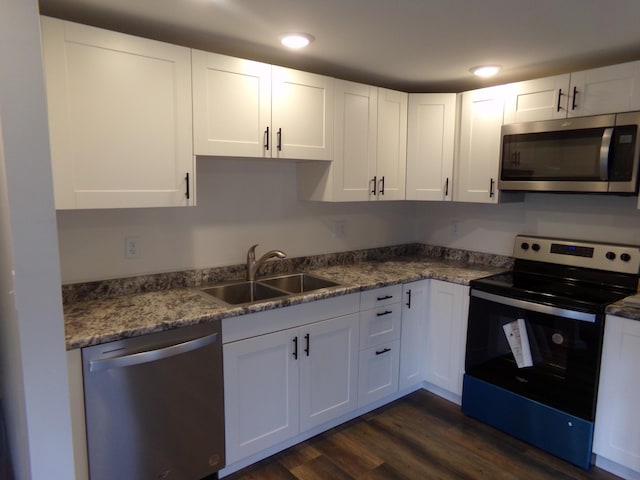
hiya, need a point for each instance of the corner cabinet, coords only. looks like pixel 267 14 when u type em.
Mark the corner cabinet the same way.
pixel 446 336
pixel 369 158
pixel 243 108
pixel 479 145
pixel 119 118
pixel 617 436
pixel 430 146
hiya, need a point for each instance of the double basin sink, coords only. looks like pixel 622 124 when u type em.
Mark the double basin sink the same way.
pixel 247 292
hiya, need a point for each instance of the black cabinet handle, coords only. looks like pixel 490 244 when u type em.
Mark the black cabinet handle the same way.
pixel 382 188
pixel 446 188
pixel 384 350
pixel 375 185
pixel 491 192
pixel 295 348
pixel 279 139
pixel 573 101
pixel 408 304
pixel 386 297
pixel 266 139
pixel 382 314
pixel 306 350
pixel 186 193
pixel 559 99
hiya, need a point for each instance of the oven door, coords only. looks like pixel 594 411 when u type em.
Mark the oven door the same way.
pixel 541 352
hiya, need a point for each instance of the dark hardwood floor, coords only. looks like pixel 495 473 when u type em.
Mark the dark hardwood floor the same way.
pixel 418 437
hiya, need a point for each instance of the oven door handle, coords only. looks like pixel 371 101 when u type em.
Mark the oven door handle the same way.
pixel 535 307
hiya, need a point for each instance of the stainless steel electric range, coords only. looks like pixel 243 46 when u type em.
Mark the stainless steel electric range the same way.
pixel 534 341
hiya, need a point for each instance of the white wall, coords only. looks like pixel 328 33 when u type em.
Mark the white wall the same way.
pixel 33 372
pixel 491 228
pixel 240 202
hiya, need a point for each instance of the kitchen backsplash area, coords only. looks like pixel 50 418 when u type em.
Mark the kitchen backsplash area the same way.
pixel 242 202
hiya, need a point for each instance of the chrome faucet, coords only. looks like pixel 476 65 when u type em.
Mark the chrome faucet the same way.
pixel 253 265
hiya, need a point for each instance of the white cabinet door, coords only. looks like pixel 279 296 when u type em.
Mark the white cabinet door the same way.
pixel 378 374
pixel 261 388
pixel 328 370
pixel 231 106
pixel 617 430
pixel 539 99
pixel 301 115
pixel 479 148
pixel 611 89
pixel 415 303
pixel 119 118
pixel 430 141
pixel 392 145
pixel 354 162
pixel 446 335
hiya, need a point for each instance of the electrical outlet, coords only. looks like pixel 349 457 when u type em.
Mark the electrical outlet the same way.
pixel 131 247
pixel 338 229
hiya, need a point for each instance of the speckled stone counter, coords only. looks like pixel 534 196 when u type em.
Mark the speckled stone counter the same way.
pixel 100 318
pixel 624 311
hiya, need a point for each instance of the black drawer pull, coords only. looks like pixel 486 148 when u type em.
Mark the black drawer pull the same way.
pixel 306 350
pixel 295 348
pixel 386 297
pixel 408 304
pixel 384 350
pixel 381 314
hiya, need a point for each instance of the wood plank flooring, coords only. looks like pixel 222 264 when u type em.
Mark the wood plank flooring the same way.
pixel 418 437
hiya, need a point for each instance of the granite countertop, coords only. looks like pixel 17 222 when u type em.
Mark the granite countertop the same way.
pixel 101 320
pixel 622 310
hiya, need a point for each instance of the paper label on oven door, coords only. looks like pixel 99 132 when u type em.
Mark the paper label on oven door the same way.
pixel 516 333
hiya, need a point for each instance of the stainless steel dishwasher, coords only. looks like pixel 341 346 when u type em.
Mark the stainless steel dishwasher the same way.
pixel 154 405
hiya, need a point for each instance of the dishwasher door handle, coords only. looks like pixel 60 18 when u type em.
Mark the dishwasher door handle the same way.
pixel 152 355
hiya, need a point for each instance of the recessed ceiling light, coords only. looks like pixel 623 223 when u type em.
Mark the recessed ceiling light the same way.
pixel 296 40
pixel 485 70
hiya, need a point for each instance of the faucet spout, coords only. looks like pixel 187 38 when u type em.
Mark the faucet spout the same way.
pixel 254 265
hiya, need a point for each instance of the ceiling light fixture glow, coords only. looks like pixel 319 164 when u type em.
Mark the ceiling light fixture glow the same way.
pixel 485 70
pixel 296 40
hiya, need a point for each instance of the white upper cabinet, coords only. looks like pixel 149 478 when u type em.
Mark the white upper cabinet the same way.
pixel 479 147
pixel 611 89
pixel 370 148
pixel 391 163
pixel 301 115
pixel 540 99
pixel 231 106
pixel 119 118
pixel 430 142
pixel 243 108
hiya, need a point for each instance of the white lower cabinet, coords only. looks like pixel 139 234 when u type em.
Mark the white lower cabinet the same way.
pixel 379 343
pixel 415 304
pixel 617 430
pixel 446 335
pixel 282 383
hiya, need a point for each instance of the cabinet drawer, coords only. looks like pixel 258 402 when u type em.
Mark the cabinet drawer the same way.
pixel 380 325
pixel 380 297
pixel 378 372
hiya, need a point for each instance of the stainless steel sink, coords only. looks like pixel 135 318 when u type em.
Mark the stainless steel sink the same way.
pixel 247 292
pixel 299 282
pixel 243 292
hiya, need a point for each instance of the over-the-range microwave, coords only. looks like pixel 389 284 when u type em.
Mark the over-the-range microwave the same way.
pixel 597 154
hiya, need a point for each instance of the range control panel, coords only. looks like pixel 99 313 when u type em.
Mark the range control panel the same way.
pixel 601 256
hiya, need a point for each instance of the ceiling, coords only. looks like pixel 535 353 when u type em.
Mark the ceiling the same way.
pixel 410 45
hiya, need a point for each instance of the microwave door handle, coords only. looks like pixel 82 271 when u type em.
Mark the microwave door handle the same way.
pixel 605 147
